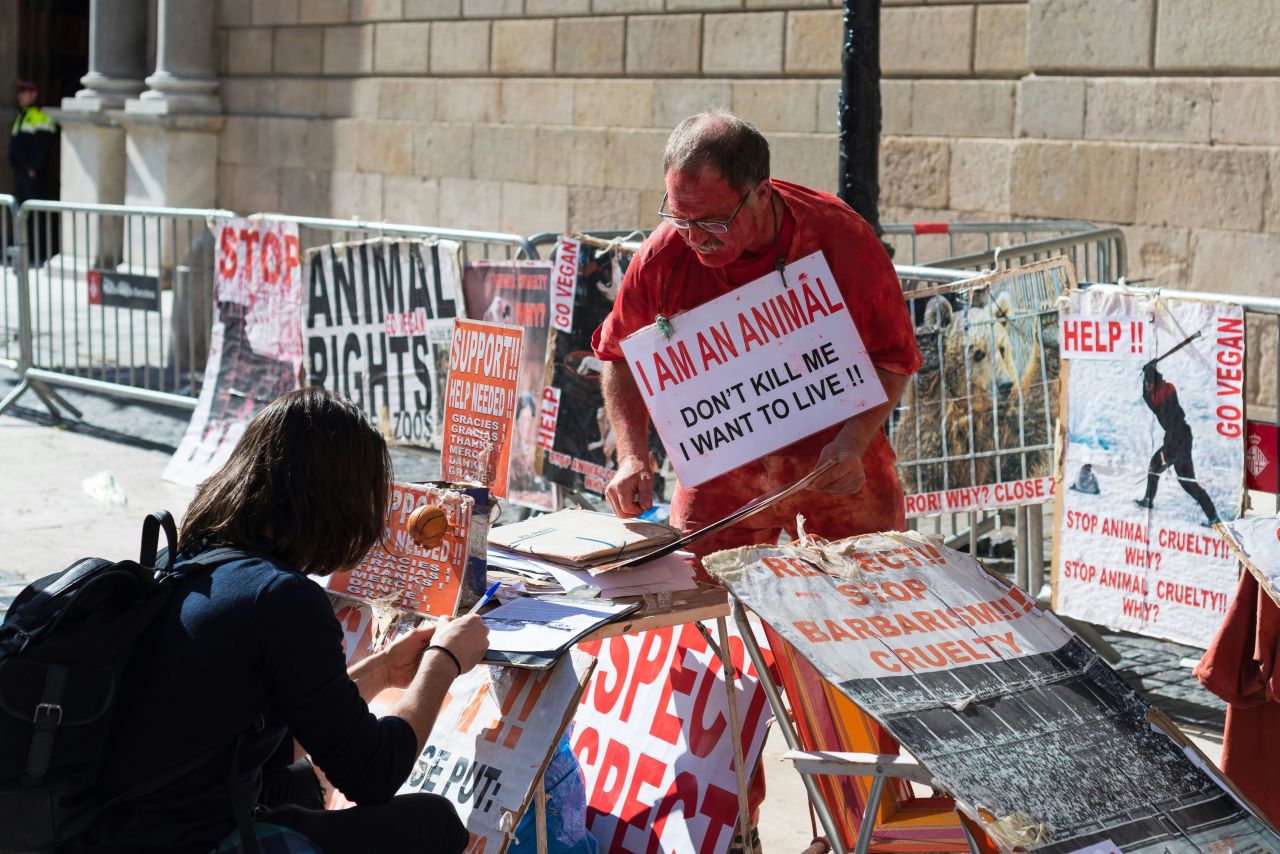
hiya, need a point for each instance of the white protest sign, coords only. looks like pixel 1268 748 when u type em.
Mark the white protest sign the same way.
pixel 652 735
pixel 564 282
pixel 1153 457
pixel 754 370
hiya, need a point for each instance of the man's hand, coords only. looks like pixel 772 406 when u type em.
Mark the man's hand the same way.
pixel 630 493
pixel 845 477
pixel 466 637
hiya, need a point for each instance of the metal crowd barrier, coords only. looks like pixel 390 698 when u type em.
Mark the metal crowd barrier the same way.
pixel 10 323
pixel 1098 254
pixel 932 243
pixel 118 299
pixel 319 231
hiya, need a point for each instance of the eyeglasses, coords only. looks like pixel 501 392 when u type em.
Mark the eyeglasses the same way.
pixel 710 226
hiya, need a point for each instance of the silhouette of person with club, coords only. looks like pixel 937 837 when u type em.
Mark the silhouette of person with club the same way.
pixel 1162 399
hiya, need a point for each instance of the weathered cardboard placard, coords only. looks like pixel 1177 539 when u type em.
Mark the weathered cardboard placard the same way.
pixel 652 736
pixel 378 321
pixel 255 349
pixel 975 426
pixel 399 573
pixel 754 370
pixel 1037 739
pixel 519 293
pixel 1256 542
pixel 492 740
pixel 1159 570
pixel 480 404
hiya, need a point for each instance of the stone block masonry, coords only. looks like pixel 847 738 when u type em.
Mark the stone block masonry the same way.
pixel 1161 116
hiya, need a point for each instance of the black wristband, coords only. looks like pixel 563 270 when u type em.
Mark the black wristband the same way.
pixel 452 657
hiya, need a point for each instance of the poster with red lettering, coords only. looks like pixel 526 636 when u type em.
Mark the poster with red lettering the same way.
pixel 1037 739
pixel 494 736
pixel 652 736
pixel 255 349
pixel 518 293
pixel 753 370
pixel 480 404
pixel 377 324
pixel 975 425
pixel 1153 457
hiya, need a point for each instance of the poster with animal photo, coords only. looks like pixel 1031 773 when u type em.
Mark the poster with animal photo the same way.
pixel 378 321
pixel 576 445
pixel 1153 458
pixel 255 350
pixel 975 425
pixel 518 293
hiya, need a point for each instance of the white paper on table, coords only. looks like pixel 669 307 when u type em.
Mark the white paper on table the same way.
pixel 540 625
pixel 668 573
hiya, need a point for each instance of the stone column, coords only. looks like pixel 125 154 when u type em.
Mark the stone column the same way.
pixel 186 75
pixel 117 55
pixel 171 149
pixel 92 139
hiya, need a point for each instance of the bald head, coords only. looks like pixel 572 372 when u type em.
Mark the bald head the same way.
pixel 720 141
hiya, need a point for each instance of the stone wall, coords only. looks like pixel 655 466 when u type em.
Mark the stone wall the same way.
pixel 1162 116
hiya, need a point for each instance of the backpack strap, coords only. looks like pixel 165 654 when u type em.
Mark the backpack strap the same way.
pixel 241 801
pixel 48 717
pixel 151 527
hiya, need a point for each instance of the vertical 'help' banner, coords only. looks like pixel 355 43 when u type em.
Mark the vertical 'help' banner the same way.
pixel 480 403
pixel 754 370
pixel 255 350
pixel 652 735
pixel 1154 456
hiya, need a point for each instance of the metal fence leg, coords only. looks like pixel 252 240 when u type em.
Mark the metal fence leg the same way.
pixel 784 723
pixel 26 348
pixel 1020 547
pixel 1035 549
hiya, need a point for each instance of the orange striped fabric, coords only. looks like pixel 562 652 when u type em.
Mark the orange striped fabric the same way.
pixel 828 720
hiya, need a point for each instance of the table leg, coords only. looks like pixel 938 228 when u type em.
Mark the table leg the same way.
pixel 735 727
pixel 540 815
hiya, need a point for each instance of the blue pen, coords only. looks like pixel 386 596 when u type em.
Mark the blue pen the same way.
pixel 484 600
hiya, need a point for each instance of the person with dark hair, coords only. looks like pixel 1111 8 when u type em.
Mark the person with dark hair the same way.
pixel 1162 398
pixel 247 657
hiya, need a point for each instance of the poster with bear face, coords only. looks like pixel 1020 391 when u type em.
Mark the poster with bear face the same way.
pixel 1153 459
pixel 974 428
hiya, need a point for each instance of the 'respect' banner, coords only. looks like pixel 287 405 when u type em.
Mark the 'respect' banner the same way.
pixel 518 293
pixel 975 425
pixel 1153 458
pixel 378 320
pixel 255 349
pixel 652 735
pixel 1039 741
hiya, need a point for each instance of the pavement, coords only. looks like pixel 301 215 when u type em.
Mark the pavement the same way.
pixel 47 521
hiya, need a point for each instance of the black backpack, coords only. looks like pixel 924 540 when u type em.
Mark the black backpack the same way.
pixel 64 645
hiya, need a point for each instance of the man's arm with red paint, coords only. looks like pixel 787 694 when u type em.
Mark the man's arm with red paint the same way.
pixel 846 449
pixel 630 493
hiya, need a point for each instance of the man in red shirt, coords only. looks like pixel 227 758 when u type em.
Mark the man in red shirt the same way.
pixel 727 223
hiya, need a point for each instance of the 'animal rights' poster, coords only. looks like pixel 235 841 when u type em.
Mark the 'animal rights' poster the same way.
pixel 1040 743
pixel 378 320
pixel 255 350
pixel 518 293
pixel 1153 459
pixel 576 445
pixel 975 425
